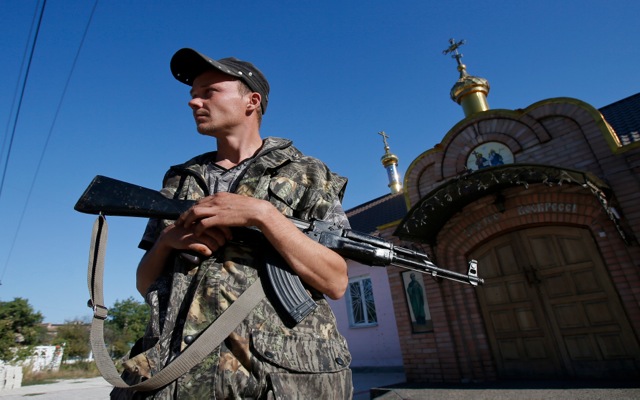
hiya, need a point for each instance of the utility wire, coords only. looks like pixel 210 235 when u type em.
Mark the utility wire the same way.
pixel 21 97
pixel 55 118
pixel 15 93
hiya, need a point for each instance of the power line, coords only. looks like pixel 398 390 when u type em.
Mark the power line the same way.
pixel 55 118
pixel 17 90
pixel 21 97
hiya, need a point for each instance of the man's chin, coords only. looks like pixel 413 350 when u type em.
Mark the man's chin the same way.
pixel 206 132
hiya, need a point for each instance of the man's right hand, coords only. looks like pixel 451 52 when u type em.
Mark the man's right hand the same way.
pixel 206 242
pixel 181 238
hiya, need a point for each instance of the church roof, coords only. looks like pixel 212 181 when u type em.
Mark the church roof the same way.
pixel 624 118
pixel 367 217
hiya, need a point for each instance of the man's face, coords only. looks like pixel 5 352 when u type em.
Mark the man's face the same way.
pixel 217 104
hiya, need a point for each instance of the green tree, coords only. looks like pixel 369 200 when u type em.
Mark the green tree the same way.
pixel 126 322
pixel 20 329
pixel 74 336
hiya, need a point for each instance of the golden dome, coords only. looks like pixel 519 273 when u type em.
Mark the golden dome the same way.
pixel 468 84
pixel 469 91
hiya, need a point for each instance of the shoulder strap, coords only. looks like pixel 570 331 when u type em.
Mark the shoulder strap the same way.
pixel 190 357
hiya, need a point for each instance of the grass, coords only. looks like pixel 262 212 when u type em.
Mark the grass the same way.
pixel 67 371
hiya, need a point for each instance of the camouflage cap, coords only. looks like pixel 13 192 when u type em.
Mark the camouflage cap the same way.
pixel 187 64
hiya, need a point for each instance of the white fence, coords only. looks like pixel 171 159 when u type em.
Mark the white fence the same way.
pixel 10 377
pixel 45 358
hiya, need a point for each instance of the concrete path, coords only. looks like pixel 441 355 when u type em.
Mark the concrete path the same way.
pixel 68 389
pixel 364 380
pixel 98 388
pixel 538 390
pixel 381 386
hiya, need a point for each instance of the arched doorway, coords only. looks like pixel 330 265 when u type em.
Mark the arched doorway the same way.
pixel 550 308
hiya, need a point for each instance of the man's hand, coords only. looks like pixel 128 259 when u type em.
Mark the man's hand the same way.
pixel 182 236
pixel 206 226
pixel 223 210
pixel 179 237
pixel 315 264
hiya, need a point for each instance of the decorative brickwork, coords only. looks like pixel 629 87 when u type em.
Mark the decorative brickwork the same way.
pixel 565 133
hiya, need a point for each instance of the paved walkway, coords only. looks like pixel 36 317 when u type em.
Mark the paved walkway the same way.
pixel 389 386
pixel 583 390
pixel 68 389
pixel 365 379
pixel 98 388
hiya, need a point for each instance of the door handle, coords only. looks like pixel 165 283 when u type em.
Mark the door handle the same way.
pixel 531 274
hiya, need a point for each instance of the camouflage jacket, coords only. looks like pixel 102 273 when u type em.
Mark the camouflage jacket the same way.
pixel 263 357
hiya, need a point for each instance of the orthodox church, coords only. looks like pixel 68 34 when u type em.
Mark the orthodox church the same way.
pixel 545 199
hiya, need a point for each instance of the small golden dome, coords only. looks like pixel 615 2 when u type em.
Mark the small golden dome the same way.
pixel 468 84
pixel 388 158
pixel 469 91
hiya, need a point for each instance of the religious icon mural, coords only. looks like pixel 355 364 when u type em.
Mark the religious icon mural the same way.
pixel 417 301
pixel 490 154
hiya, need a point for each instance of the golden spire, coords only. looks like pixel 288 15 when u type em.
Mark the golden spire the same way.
pixel 390 163
pixel 469 91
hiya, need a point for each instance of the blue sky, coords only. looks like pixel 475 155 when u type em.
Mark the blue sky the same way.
pixel 340 71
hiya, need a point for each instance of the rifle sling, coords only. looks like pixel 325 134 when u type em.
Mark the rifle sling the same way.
pixel 190 357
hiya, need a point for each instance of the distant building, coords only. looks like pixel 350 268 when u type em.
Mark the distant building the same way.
pixel 365 314
pixel 546 199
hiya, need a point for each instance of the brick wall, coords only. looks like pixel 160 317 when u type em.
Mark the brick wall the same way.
pixel 560 132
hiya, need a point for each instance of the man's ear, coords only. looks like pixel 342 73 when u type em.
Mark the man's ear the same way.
pixel 254 101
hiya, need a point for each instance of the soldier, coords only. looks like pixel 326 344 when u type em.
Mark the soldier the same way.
pixel 247 181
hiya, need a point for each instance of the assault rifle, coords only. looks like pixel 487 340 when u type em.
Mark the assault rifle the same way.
pixel 109 196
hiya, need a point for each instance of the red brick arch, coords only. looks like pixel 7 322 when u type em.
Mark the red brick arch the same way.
pixel 538 205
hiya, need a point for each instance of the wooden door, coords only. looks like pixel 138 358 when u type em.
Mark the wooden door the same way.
pixel 550 308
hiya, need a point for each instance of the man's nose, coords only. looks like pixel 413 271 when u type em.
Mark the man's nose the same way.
pixel 195 103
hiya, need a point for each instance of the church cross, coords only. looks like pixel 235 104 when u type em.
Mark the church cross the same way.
pixel 384 138
pixel 453 48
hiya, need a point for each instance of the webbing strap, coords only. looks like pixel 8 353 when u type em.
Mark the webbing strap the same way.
pixel 190 357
